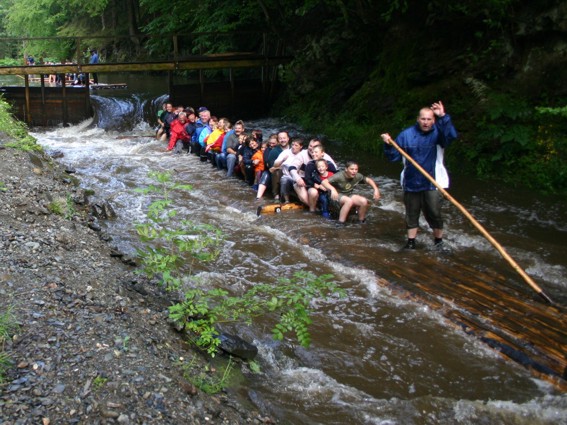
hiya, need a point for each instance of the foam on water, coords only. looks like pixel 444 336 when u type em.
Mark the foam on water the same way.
pixel 393 335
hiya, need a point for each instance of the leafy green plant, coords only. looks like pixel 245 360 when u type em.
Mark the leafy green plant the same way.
pixel 203 311
pixel 172 247
pixel 26 144
pixel 205 378
pixel 125 344
pixel 16 130
pixel 99 382
pixel 70 209
pixel 561 111
pixel 3 187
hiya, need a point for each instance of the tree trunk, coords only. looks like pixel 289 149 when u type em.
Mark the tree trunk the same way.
pixel 132 6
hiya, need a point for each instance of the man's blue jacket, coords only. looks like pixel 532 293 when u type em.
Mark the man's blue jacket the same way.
pixel 427 150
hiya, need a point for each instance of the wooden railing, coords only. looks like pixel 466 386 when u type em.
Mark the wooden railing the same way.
pixel 193 51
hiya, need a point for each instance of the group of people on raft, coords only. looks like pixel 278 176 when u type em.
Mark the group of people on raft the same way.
pixel 285 167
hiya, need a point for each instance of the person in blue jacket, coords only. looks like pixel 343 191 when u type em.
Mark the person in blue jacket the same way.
pixel 425 142
pixel 202 124
pixel 94 59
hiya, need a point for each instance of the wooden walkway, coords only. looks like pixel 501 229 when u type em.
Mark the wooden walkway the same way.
pixel 52 105
pixel 183 52
pixel 202 62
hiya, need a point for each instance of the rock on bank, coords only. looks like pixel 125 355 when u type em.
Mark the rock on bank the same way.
pixel 92 345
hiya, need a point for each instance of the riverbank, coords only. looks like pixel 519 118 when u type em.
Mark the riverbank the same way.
pixel 92 343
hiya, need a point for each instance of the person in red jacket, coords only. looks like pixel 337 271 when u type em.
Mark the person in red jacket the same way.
pixel 178 133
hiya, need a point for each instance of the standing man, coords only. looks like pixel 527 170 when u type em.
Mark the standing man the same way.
pixel 425 142
pixel 94 60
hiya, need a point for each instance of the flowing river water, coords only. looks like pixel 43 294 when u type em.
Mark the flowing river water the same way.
pixel 376 357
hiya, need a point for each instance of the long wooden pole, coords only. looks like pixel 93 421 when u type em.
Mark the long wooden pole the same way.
pixel 479 226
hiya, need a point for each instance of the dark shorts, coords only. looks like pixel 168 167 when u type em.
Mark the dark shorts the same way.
pixel 335 205
pixel 429 202
pixel 265 178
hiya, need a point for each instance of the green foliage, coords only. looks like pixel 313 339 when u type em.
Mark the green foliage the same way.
pixel 93 7
pixel 99 382
pixel 173 246
pixel 56 207
pixel 63 207
pixel 207 379
pixel 5 363
pixel 7 327
pixel 71 18
pixel 10 62
pixel 561 111
pixel 394 6
pixel 254 366
pixel 16 130
pixel 26 144
pixel 518 143
pixel 202 311
pixel 70 209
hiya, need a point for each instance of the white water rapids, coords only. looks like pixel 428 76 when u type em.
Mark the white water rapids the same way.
pixel 375 358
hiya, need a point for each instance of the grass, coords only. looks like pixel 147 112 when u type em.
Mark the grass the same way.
pixel 7 327
pixel 208 380
pixel 56 207
pixel 16 131
pixel 63 207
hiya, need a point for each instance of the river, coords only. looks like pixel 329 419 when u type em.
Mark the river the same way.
pixel 376 357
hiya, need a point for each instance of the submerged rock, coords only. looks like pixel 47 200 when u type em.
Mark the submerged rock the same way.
pixel 236 346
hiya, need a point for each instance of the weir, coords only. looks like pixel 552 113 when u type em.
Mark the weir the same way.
pixel 228 81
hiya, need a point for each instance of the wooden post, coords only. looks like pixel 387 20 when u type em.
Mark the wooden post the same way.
pixel 264 68
pixel 175 48
pixel 42 79
pixel 232 94
pixel 201 78
pixel 27 106
pixel 64 103
pixel 88 92
pixel 169 84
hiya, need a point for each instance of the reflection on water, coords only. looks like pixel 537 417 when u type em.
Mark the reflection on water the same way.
pixel 376 357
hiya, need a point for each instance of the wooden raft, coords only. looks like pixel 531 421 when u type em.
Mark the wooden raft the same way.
pixel 484 304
